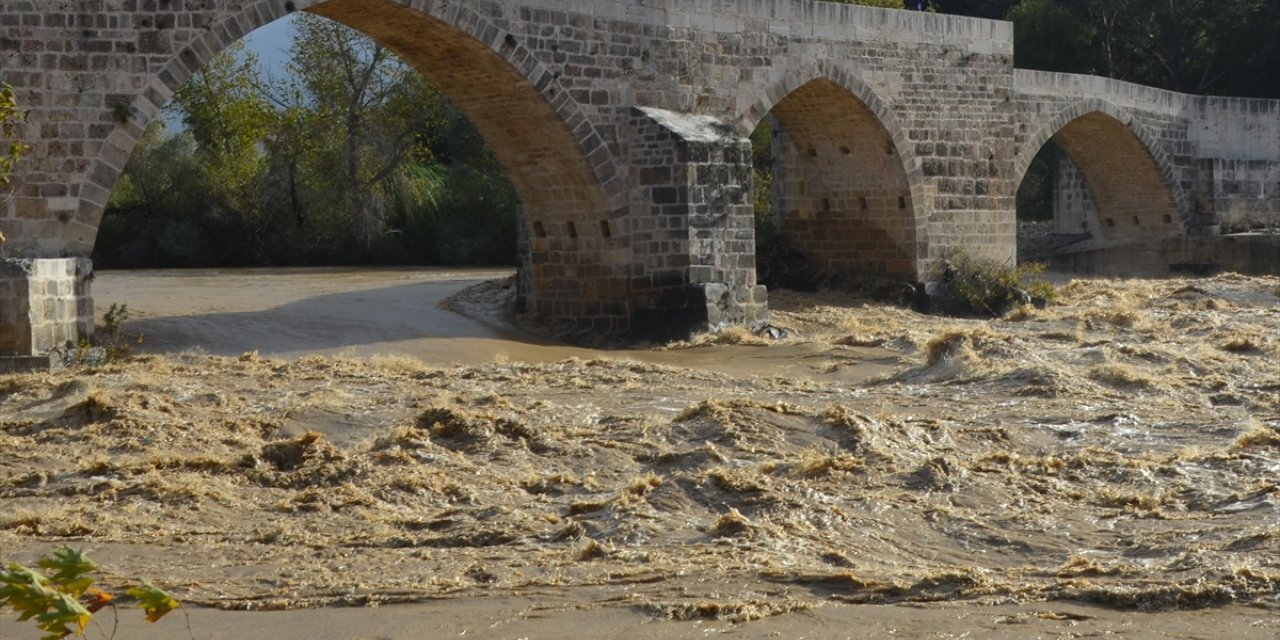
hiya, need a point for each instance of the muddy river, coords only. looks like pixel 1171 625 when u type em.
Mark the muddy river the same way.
pixel 330 453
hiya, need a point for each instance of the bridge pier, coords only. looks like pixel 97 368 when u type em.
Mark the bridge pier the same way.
pixel 44 304
pixel 692 231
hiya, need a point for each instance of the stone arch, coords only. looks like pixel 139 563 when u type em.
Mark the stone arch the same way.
pixel 1128 172
pixel 564 172
pixel 857 208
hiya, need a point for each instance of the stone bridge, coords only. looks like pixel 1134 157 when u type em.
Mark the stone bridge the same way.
pixel 901 137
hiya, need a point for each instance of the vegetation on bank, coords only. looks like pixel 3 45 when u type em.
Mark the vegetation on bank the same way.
pixel 354 158
pixel 981 288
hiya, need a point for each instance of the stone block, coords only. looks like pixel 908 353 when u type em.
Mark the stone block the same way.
pixel 44 304
pixel 26 364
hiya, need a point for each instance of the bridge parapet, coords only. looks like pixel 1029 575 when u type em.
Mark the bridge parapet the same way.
pixel 1075 86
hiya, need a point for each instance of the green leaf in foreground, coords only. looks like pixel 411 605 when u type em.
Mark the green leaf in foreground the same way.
pixel 155 602
pixel 70 568
pixel 63 617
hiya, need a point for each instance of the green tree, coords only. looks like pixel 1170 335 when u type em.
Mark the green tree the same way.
pixel 1191 45
pixel 11 147
pixel 225 109
pixel 1194 46
pixel 1051 37
pixel 991 9
pixel 354 93
pixel 888 4
pixel 164 209
pixel 354 158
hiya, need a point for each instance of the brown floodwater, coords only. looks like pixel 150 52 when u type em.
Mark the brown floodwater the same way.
pixel 311 438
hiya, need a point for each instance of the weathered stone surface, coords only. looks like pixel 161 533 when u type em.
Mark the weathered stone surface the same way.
pixel 44 304
pixel 904 134
pixel 26 364
pixel 698 237
pixel 1157 164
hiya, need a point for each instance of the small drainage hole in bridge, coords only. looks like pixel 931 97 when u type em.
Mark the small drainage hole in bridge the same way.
pixel 1168 219
pixel 1111 223
pixel 862 202
pixel 573 230
pixel 539 231
pixel 826 204
pixel 605 230
pixel 902 202
pixel 1137 222
pixel 845 150
pixel 812 152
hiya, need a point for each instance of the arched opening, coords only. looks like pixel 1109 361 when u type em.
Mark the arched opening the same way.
pixel 551 153
pixel 1094 181
pixel 834 206
pixel 307 143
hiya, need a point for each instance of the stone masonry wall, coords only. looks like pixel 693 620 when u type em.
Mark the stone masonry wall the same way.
pixel 840 190
pixel 939 88
pixel 1238 149
pixel 1132 147
pixel 1191 139
pixel 1074 208
pixel 95 71
pixel 1240 194
pixel 940 85
pixel 697 242
pixel 44 303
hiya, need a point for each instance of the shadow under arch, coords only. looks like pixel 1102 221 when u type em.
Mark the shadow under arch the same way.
pixel 847 186
pixel 1131 178
pixel 562 170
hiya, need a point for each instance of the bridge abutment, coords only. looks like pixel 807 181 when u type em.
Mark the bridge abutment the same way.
pixel 45 303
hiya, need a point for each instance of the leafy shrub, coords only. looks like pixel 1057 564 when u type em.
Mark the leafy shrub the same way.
pixel 110 343
pixel 971 286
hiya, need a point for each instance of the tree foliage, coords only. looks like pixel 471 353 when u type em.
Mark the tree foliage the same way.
pixel 11 147
pixel 1216 47
pixel 374 108
pixel 352 158
pixel 227 115
pixel 1050 36
pixel 887 4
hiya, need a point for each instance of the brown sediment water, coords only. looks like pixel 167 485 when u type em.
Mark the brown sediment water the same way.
pixel 337 439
